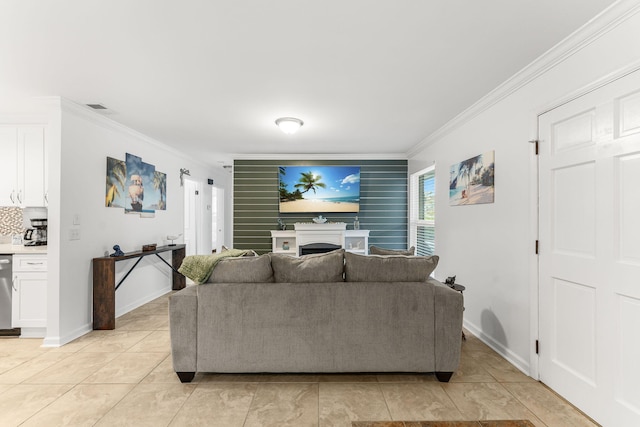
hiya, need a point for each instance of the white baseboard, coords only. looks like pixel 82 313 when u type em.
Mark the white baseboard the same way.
pixel 33 332
pixel 142 301
pixel 60 341
pixel 510 356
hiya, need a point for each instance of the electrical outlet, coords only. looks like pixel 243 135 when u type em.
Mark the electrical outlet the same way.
pixel 74 234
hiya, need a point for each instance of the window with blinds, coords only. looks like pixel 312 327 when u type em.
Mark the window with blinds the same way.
pixel 422 216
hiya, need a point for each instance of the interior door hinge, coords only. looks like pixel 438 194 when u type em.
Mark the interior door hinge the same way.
pixel 535 141
pixel 537 347
pixel 537 247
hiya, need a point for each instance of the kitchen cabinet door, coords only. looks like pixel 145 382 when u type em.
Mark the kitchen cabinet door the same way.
pixel 29 300
pixel 29 295
pixel 8 166
pixel 31 166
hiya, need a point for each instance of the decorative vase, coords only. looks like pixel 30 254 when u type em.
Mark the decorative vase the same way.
pixel 285 246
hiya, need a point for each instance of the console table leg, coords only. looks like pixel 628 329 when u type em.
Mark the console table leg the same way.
pixel 104 294
pixel 179 281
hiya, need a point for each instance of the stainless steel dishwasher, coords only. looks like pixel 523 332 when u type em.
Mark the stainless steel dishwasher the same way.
pixel 6 282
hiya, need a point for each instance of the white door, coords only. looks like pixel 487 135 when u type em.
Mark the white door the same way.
pixel 217 218
pixel 590 252
pixel 191 216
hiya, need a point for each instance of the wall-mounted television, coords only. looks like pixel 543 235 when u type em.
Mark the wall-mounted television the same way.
pixel 319 189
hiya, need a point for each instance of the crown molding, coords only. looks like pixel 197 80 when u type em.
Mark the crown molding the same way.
pixel 88 114
pixel 316 156
pixel 604 22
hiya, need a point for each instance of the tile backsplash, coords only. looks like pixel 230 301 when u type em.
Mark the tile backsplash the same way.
pixel 11 221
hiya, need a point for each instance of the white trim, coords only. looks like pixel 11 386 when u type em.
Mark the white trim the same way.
pixel 606 21
pixel 307 156
pixel 58 341
pixel 534 214
pixel 503 351
pixel 108 123
pixel 413 206
pixel 145 299
pixel 595 85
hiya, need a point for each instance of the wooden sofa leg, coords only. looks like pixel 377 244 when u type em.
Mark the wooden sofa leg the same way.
pixel 444 377
pixel 186 377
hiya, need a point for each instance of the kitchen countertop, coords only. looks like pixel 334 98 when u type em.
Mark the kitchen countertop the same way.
pixel 9 249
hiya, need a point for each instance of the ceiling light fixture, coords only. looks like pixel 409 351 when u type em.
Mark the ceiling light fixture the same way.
pixel 289 125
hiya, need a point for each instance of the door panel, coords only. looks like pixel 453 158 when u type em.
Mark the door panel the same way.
pixel 590 251
pixel 574 340
pixel 628 198
pixel 629 352
pixel 574 210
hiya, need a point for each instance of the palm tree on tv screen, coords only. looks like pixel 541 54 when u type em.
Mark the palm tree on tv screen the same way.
pixel 309 181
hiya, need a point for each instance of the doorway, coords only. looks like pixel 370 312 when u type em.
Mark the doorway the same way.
pixel 217 218
pixel 192 216
pixel 589 263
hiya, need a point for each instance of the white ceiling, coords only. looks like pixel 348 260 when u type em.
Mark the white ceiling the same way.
pixel 211 76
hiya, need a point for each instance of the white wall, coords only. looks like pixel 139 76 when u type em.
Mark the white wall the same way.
pixel 79 142
pixel 490 247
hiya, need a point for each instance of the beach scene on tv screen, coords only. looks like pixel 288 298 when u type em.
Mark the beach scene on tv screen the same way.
pixel 319 189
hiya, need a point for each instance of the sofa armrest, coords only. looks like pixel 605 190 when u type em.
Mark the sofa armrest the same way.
pixel 183 328
pixel 449 305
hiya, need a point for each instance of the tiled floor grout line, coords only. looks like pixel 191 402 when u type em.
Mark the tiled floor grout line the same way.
pixel 386 403
pixel 525 405
pixel 253 397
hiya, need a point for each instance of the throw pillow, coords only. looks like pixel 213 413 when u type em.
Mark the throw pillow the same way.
pixel 375 250
pixel 246 269
pixel 388 268
pixel 326 267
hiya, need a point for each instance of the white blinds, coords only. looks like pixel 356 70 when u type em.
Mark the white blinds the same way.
pixel 422 216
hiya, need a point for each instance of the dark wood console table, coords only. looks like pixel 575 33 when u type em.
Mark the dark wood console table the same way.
pixel 104 281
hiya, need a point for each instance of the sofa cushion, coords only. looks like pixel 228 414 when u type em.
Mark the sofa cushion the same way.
pixel 325 267
pixel 388 268
pixel 251 269
pixel 375 250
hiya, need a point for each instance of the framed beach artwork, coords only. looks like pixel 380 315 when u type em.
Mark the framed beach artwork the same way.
pixel 116 180
pixel 319 189
pixel 135 186
pixel 471 181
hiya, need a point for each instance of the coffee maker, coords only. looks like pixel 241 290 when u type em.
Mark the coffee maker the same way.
pixel 36 236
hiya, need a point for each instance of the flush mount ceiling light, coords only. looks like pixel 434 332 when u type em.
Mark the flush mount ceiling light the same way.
pixel 289 125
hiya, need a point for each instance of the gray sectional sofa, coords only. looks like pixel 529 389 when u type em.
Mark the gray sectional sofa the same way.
pixel 327 313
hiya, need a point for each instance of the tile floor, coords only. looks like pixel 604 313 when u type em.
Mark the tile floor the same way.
pixel 124 378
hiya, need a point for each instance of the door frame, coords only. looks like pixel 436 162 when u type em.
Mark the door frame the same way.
pixel 534 189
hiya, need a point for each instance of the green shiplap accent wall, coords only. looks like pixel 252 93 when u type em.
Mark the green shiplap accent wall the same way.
pixel 383 202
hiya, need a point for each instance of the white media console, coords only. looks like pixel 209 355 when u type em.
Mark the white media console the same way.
pixel 331 233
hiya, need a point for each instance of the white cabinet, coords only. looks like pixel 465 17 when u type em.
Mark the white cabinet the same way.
pixel 29 299
pixel 8 166
pixel 23 165
pixel 288 242
pixel 357 241
pixel 284 242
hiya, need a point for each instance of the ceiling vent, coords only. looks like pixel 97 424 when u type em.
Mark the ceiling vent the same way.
pixel 97 106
